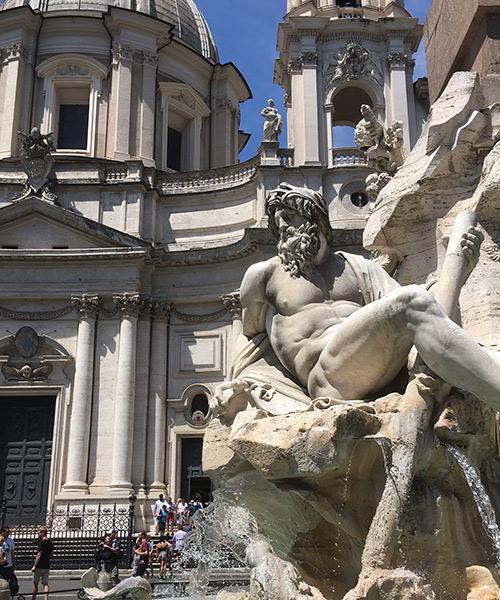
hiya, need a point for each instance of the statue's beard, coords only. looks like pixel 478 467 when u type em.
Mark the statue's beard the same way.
pixel 297 249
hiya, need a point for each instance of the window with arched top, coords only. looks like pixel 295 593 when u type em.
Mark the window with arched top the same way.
pixel 343 113
pixel 71 90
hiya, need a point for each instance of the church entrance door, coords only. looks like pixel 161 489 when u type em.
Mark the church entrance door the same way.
pixel 26 430
pixel 193 483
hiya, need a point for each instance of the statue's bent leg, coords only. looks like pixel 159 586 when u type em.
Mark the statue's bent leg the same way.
pixel 367 350
pixel 364 353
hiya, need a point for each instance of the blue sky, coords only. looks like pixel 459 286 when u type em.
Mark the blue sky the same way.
pixel 245 32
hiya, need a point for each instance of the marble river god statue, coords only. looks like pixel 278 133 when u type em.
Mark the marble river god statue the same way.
pixel 359 424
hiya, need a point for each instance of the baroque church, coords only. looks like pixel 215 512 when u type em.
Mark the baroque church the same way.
pixel 119 273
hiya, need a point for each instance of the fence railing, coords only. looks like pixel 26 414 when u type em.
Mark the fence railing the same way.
pixel 75 532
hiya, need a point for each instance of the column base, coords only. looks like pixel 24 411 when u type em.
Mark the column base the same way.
pixel 75 487
pixel 120 486
pixel 157 488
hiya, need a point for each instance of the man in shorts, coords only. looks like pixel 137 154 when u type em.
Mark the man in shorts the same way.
pixel 41 566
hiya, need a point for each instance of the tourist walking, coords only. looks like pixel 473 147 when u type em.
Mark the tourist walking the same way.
pixel 158 508
pixel 181 508
pixel 179 540
pixel 8 567
pixel 162 519
pixel 171 516
pixel 41 566
pixel 141 555
pixel 164 551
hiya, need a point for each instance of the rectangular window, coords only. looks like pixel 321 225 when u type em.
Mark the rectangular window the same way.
pixel 72 117
pixel 349 3
pixel 73 126
pixel 174 149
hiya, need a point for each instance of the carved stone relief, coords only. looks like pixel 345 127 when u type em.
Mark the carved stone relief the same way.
pixel 353 62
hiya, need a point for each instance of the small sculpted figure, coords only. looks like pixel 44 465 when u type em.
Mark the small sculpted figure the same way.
pixel 322 324
pixel 273 122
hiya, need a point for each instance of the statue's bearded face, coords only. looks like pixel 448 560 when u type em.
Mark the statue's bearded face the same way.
pixel 299 242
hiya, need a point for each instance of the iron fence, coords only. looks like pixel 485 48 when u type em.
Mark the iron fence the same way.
pixel 75 531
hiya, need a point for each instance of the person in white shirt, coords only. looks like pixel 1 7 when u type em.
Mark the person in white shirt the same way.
pixel 9 546
pixel 179 540
pixel 157 509
pixel 181 510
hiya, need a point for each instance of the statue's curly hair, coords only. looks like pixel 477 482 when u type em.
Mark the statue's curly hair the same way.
pixel 308 203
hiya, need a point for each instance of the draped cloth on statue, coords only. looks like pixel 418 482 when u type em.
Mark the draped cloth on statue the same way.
pixel 272 388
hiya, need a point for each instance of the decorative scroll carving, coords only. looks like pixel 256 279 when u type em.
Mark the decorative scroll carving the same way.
pixel 353 62
pixel 309 59
pixel 86 305
pixel 37 163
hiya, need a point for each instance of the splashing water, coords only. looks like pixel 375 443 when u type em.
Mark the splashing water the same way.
pixel 481 498
pixel 222 533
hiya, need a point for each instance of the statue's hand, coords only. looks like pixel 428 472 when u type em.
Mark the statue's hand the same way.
pixel 471 247
pixel 224 395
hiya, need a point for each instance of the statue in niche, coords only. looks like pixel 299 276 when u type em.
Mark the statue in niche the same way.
pixel 37 163
pixel 383 147
pixel 323 327
pixel 273 122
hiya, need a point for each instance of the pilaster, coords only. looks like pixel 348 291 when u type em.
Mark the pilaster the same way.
pixel 121 99
pixel 398 62
pixel 157 410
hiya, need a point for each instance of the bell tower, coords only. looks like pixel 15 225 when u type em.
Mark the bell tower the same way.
pixel 336 55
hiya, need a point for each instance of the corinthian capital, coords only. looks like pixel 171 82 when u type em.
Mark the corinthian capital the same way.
pixel 162 309
pixel 86 305
pixel 398 59
pixel 129 304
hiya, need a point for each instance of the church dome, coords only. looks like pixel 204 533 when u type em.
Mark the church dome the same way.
pixel 189 24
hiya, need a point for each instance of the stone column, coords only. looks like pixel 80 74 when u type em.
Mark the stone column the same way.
pixel 233 304
pixel 399 101
pixel 129 306
pixel 158 398
pixel 81 406
pixel 121 99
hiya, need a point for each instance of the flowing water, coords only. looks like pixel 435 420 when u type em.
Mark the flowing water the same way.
pixel 483 502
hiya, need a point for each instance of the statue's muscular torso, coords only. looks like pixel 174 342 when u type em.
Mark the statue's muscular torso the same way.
pixel 299 315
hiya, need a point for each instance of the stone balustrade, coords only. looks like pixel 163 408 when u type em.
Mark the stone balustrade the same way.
pixel 348 157
pixel 210 180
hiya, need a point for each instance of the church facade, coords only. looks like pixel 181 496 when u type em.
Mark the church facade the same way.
pixel 119 278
